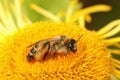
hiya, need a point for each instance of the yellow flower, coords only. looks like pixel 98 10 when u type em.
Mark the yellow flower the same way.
pixel 92 61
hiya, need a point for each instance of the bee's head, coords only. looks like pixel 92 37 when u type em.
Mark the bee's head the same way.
pixel 72 45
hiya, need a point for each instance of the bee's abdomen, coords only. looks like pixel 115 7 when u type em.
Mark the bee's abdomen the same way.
pixel 30 56
pixel 33 50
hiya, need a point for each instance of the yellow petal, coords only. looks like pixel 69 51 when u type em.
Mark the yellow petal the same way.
pixel 45 12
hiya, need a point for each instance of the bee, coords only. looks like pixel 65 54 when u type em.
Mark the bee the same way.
pixel 52 46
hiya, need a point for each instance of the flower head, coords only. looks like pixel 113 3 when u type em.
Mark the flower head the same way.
pixel 92 60
pixel 89 59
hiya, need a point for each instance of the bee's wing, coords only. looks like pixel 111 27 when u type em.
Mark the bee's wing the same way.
pixel 43 48
pixel 50 40
pixel 32 44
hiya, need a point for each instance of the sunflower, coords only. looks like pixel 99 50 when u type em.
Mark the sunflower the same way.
pixel 92 61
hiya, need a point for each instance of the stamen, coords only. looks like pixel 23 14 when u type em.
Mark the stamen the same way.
pixel 108 27
pixel 18 15
pixel 45 12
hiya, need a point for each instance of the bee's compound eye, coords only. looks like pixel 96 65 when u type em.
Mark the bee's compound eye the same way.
pixel 72 45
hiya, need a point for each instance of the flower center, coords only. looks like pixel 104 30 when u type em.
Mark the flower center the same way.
pixel 91 61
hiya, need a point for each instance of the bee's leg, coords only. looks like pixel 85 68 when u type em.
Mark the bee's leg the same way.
pixel 52 54
pixel 63 50
pixel 52 51
pixel 47 44
pixel 44 56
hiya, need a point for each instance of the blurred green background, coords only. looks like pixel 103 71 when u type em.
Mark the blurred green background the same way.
pixel 53 6
pixel 98 19
pixel 102 18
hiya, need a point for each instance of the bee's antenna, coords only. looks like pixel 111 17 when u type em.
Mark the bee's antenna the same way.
pixel 79 38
